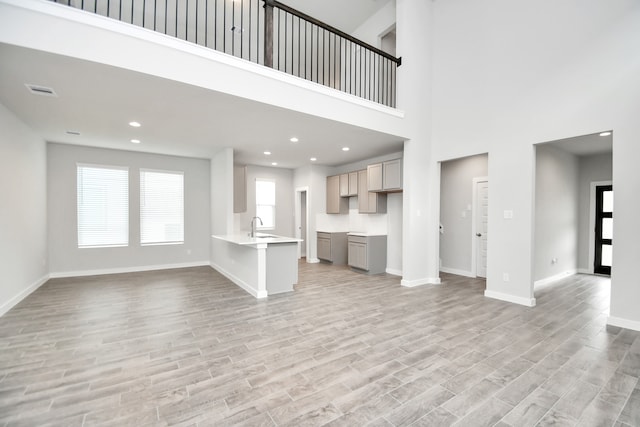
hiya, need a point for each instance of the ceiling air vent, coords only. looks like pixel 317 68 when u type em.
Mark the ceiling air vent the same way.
pixel 41 90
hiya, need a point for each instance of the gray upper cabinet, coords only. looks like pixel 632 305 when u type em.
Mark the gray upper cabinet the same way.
pixel 335 203
pixel 368 201
pixel 374 177
pixel 349 184
pixel 392 175
pixel 239 189
pixel 353 183
pixel 344 185
pixel 385 176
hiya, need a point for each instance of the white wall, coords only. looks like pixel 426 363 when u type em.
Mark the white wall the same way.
pixel 23 210
pixel 456 195
pixel 284 200
pixel 65 256
pixel 556 213
pixel 501 85
pixel 596 168
pixel 421 180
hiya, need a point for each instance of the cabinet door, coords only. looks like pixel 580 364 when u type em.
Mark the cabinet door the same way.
pixel 333 194
pixel 344 185
pixel 239 189
pixel 324 249
pixel 353 183
pixel 358 255
pixel 392 175
pixel 363 192
pixel 374 177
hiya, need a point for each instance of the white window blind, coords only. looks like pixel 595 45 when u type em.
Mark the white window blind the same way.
pixel 103 206
pixel 161 207
pixel 266 203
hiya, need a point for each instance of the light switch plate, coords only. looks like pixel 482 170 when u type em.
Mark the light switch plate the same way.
pixel 508 214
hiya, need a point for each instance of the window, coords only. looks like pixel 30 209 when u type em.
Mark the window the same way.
pixel 266 204
pixel 103 206
pixel 161 207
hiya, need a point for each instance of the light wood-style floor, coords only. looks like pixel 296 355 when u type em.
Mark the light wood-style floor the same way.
pixel 187 347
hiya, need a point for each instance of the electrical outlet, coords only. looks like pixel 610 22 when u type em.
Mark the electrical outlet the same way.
pixel 554 260
pixel 505 277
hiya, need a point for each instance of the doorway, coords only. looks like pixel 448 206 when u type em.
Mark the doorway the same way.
pixel 603 237
pixel 302 221
pixel 463 214
pixel 480 222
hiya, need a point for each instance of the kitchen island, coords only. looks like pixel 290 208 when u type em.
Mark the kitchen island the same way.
pixel 262 265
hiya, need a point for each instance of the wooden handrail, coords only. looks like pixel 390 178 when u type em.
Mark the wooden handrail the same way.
pixel 311 19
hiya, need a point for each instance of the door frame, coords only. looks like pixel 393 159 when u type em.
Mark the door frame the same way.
pixel 474 239
pixel 592 222
pixel 298 219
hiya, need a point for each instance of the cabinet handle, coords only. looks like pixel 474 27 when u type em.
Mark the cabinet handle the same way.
pixel 479 234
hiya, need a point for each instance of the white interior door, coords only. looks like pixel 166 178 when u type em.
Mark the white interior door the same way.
pixel 481 220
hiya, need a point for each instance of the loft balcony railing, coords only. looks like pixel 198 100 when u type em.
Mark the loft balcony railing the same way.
pixel 266 32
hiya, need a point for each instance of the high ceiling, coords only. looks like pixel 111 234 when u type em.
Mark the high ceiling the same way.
pixel 345 15
pixel 98 101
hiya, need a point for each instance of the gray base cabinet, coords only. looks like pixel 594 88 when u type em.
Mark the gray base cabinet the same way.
pixel 332 247
pixel 368 253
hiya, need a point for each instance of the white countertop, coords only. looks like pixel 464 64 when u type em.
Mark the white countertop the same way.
pixel 245 239
pixel 363 234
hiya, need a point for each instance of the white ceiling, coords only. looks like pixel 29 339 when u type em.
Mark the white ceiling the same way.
pixel 345 15
pixel 585 145
pixel 178 119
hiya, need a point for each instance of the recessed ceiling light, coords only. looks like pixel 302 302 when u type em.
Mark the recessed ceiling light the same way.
pixel 313 159
pixel 73 132
pixel 135 141
pixel 294 139
pixel 267 153
pixel 605 134
pixel 135 124
pixel 345 148
pixel 274 164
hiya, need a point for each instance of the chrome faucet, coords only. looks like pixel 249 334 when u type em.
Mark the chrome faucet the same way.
pixel 253 225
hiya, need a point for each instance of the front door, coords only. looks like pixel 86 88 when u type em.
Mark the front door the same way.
pixel 603 230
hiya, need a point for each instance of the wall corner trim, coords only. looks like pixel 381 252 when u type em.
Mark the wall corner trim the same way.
pixel 623 323
pixel 555 277
pixel 420 282
pixel 15 300
pixel 394 272
pixel 241 283
pixel 100 272
pixel 457 272
pixel 528 302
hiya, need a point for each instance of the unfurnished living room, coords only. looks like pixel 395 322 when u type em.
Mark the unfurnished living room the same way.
pixel 373 212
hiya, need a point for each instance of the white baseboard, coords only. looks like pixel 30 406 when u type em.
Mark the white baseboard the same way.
pixel 528 302
pixel 623 323
pixel 420 282
pixel 554 278
pixel 127 269
pixel 457 272
pixel 4 308
pixel 241 283
pixel 394 272
pixel 313 260
pixel 584 271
